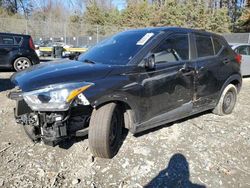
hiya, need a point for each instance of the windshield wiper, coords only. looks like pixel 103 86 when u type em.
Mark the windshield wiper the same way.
pixel 89 61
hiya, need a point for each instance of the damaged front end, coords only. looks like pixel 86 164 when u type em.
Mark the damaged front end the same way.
pixel 54 113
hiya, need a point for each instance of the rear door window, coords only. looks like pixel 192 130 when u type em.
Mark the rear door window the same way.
pixel 243 50
pixel 174 48
pixel 6 40
pixel 204 46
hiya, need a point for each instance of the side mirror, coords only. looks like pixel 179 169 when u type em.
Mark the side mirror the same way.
pixel 150 62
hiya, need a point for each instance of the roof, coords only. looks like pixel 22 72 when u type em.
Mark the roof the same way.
pixel 16 34
pixel 179 29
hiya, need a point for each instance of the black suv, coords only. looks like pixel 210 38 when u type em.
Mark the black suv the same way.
pixel 135 80
pixel 17 51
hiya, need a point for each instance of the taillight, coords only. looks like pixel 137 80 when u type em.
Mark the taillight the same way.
pixel 31 44
pixel 238 58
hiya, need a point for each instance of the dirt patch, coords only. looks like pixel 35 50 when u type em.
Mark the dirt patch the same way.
pixel 204 150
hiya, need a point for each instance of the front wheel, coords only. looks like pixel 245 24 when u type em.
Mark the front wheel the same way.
pixel 227 101
pixel 105 131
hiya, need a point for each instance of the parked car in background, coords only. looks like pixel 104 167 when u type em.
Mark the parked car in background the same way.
pixel 53 48
pixel 45 48
pixel 244 50
pixel 135 80
pixel 37 50
pixel 17 51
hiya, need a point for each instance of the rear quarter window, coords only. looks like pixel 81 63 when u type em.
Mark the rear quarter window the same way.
pixel 18 40
pixel 222 48
pixel 204 46
pixel 217 45
pixel 227 52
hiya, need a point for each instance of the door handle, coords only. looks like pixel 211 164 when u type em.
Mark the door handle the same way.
pixel 186 71
pixel 7 49
pixel 225 61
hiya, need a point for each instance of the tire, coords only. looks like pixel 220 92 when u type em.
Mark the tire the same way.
pixel 227 101
pixel 105 131
pixel 21 63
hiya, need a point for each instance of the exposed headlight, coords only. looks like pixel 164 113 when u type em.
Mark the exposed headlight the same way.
pixel 54 97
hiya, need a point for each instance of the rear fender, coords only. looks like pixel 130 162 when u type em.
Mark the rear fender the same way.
pixel 234 78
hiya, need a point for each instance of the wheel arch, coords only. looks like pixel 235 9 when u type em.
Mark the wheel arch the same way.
pixel 235 79
pixel 129 109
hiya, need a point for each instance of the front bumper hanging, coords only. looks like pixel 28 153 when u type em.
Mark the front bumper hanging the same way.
pixel 49 127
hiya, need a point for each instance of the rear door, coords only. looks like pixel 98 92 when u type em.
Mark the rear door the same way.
pixel 212 69
pixel 8 47
pixel 244 51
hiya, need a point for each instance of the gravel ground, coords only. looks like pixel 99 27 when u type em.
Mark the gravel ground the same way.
pixel 202 151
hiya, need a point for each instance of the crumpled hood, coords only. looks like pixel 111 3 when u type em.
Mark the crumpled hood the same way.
pixel 56 72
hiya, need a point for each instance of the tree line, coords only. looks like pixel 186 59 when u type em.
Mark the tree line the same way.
pixel 213 15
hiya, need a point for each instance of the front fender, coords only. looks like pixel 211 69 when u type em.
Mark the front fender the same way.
pixel 123 98
pixel 112 91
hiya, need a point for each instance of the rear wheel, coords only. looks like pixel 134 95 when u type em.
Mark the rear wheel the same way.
pixel 21 63
pixel 105 131
pixel 227 101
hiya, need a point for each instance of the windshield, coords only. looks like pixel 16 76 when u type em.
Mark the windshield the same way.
pixel 118 49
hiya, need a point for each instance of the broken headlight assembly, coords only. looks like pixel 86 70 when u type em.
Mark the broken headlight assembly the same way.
pixel 56 97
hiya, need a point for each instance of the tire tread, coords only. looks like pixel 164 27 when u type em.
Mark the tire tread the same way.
pixel 99 130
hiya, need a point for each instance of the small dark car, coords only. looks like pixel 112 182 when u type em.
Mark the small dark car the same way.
pixel 17 51
pixel 135 80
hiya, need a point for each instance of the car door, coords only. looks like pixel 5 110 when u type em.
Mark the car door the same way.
pixel 212 69
pixel 168 88
pixel 244 51
pixel 7 46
